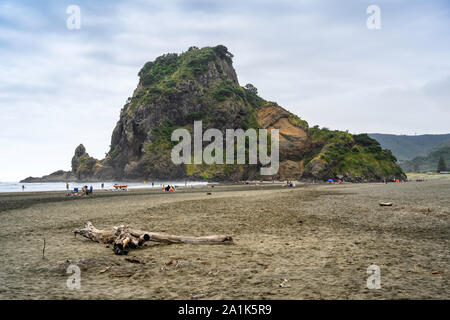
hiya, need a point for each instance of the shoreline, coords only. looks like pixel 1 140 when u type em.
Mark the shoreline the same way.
pixel 17 200
pixel 298 183
pixel 180 184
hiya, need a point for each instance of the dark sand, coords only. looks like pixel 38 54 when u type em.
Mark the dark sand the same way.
pixel 320 238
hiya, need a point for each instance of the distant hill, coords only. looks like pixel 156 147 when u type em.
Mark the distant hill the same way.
pixel 408 147
pixel 427 163
pixel 446 143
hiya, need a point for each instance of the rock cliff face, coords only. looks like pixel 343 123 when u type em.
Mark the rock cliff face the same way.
pixel 293 136
pixel 201 84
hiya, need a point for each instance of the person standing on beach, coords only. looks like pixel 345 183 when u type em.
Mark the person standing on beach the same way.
pixel 103 185
pixel 67 186
pixel 23 187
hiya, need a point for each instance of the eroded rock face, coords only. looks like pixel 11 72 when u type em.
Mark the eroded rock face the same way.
pixel 294 140
pixel 290 170
pixel 317 170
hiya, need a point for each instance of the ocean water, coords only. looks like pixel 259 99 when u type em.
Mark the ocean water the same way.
pixel 56 186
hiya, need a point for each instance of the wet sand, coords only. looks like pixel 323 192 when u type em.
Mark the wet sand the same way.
pixel 320 238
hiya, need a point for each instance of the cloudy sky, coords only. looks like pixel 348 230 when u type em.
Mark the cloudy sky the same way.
pixel 61 87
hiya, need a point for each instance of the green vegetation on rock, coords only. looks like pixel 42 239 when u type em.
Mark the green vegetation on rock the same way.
pixel 357 157
pixel 226 89
pixel 296 121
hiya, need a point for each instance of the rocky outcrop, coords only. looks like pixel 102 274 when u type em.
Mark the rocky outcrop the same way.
pixel 58 176
pixel 80 152
pixel 84 167
pixel 201 84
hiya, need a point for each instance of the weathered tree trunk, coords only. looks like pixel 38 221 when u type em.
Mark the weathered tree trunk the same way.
pixel 97 235
pixel 124 238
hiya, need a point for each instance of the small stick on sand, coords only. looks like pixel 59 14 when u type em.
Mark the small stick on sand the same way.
pixel 43 251
pixel 106 269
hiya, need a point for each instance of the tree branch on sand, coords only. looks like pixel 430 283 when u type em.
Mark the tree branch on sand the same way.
pixel 124 238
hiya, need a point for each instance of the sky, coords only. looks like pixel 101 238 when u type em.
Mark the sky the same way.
pixel 60 86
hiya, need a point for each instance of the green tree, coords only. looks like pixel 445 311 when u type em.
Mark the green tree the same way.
pixel 441 165
pixel 223 52
pixel 251 89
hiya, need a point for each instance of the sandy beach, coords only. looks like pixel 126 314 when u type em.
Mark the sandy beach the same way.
pixel 320 238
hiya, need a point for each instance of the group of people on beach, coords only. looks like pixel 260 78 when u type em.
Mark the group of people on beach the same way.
pixel 68 186
pixel 85 191
pixel 290 184
pixel 168 188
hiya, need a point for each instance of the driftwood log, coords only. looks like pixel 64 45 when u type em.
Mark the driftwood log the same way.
pixel 124 238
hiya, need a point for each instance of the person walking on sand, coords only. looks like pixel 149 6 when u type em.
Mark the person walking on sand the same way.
pixel 67 186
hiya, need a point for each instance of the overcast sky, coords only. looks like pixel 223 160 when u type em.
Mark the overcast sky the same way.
pixel 62 87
